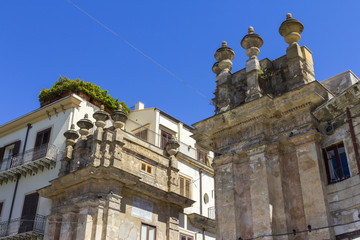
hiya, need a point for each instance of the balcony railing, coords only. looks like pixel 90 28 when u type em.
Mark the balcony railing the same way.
pixel 211 212
pixel 28 162
pixel 20 228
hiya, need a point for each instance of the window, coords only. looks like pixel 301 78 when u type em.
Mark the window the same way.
pixel 201 155
pixel 185 237
pixel 8 155
pixel 165 136
pixel 142 134
pixel 41 143
pixel 29 212
pixel 184 185
pixel 148 232
pixel 145 167
pixel 336 163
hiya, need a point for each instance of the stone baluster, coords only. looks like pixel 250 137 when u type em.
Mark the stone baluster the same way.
pixel 172 147
pixel 85 125
pixel 222 69
pixel 119 117
pixel 251 43
pixel 300 61
pixel 71 137
pixel 101 117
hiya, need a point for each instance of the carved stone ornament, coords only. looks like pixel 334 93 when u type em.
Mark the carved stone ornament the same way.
pixel 224 55
pixel 291 29
pixel 85 125
pixel 252 42
pixel 101 116
pixel 171 146
pixel 119 117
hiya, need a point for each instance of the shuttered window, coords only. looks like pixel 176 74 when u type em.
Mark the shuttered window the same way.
pixel 29 212
pixel 8 154
pixel 41 143
pixel 184 185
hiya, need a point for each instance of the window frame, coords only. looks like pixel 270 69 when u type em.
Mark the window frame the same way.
pixel 147 230
pixel 147 165
pixel 339 168
pixel 187 237
pixel 200 152
pixel 185 178
pixel 167 135
pixel 140 134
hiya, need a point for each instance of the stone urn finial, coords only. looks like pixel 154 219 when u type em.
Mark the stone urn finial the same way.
pixel 101 116
pixel 85 125
pixel 223 55
pixel 119 117
pixel 172 146
pixel 291 29
pixel 251 43
pixel 71 136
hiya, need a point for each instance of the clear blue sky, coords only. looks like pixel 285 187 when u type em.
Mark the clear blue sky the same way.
pixel 42 39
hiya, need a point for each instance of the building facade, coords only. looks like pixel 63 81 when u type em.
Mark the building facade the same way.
pixel 286 146
pixel 70 170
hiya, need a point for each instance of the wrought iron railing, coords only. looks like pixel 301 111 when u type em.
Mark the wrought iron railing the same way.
pixel 211 212
pixel 47 151
pixel 21 225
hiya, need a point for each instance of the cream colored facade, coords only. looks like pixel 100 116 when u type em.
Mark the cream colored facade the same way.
pixel 286 146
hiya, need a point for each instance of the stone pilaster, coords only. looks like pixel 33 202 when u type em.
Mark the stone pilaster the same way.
pixel 172 225
pixel 260 198
pixel 225 197
pixel 112 216
pixel 68 226
pixel 54 227
pixel 313 195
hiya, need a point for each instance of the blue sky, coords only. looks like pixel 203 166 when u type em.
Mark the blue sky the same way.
pixel 43 39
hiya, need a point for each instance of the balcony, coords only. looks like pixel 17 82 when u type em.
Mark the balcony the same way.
pixel 28 162
pixel 23 229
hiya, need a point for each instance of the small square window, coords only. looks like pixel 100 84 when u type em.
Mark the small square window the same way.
pixel 145 167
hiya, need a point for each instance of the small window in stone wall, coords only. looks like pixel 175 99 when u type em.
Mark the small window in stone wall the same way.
pixel 336 163
pixel 185 237
pixel 184 186
pixel 143 134
pixel 145 167
pixel 148 232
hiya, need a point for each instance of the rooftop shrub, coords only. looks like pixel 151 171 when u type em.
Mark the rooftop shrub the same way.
pixel 93 91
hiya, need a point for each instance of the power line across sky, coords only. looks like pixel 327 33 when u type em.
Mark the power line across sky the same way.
pixel 44 39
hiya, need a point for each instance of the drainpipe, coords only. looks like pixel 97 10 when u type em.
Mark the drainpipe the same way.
pixel 200 173
pixel 352 133
pixel 18 175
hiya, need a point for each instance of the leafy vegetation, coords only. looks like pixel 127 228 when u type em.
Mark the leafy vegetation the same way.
pixel 64 85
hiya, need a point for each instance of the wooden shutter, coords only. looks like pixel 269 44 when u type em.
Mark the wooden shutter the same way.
pixel 1 207
pixel 2 151
pixel 29 212
pixel 16 148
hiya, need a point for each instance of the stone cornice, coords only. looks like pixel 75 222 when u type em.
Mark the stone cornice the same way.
pixel 37 115
pixel 83 177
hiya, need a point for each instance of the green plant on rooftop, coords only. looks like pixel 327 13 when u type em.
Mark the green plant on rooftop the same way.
pixel 65 86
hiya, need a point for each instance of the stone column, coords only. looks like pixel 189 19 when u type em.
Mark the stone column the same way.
pixel 68 226
pixel 252 42
pixel 119 117
pixel 314 198
pixel 71 136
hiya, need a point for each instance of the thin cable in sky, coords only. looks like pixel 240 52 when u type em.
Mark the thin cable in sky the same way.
pixel 138 50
